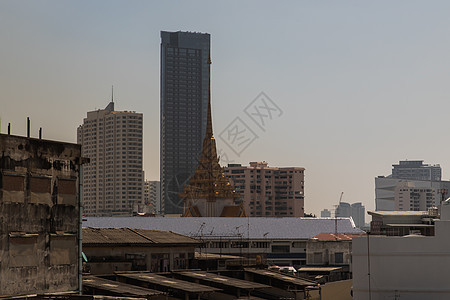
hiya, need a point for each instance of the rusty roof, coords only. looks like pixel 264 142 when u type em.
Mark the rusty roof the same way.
pixel 122 236
pixel 327 236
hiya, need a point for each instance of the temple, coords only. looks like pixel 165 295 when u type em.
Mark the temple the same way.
pixel 209 192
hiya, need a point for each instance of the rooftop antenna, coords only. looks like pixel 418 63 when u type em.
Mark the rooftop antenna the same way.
pixel 112 93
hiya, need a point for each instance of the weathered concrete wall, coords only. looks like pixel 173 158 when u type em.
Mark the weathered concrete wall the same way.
pixel 39 216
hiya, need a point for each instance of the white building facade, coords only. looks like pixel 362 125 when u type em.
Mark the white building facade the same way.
pixel 113 180
pixel 403 267
pixel 405 194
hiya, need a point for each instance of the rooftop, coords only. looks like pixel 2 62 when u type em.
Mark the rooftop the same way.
pixel 102 236
pixel 217 227
pixel 397 213
pixel 325 236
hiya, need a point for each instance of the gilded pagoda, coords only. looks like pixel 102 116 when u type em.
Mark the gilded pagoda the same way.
pixel 209 192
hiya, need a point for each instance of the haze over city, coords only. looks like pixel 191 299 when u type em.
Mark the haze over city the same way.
pixel 361 85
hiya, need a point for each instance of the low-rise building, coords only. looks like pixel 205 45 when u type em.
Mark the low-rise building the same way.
pixel 278 241
pixel 126 249
pixel 400 223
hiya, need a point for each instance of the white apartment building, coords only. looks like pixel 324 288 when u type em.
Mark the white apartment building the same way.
pixel 113 180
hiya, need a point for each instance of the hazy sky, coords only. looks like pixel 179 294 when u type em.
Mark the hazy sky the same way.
pixel 361 84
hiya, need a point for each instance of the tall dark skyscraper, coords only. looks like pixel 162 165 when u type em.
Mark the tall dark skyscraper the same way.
pixel 184 108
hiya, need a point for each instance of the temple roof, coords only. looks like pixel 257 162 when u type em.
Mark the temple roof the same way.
pixel 209 181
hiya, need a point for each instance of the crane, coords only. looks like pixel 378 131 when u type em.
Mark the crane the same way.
pixel 335 217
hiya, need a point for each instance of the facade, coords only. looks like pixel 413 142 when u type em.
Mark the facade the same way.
pixel 184 108
pixel 406 194
pixel 126 249
pixel 416 170
pixel 269 191
pixel 40 216
pixel 155 195
pixel 403 267
pixel 113 181
pixel 276 241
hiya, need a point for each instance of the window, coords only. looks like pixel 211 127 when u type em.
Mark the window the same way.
pixel 339 258
pixel 317 258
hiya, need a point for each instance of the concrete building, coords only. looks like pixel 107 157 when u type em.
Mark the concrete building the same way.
pixel 184 108
pixel 401 223
pixel 40 216
pixel 328 257
pixel 269 191
pixel 278 241
pixel 416 170
pixel 113 181
pixel 403 267
pixel 405 194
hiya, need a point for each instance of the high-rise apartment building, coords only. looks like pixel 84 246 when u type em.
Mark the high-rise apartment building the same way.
pixel 416 170
pixel 113 180
pixel 412 185
pixel 269 191
pixel 184 107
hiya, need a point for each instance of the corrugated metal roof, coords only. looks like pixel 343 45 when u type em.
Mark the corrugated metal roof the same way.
pixel 133 236
pixel 326 236
pixel 254 228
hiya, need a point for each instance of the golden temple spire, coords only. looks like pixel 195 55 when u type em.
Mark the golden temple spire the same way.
pixel 209 130
pixel 209 185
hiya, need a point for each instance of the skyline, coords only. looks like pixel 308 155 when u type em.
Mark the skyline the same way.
pixel 361 85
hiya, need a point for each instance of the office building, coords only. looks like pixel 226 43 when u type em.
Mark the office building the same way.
pixel 113 181
pixel 416 170
pixel 184 108
pixel 269 191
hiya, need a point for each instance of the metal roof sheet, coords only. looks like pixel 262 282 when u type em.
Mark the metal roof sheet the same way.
pixel 172 283
pixel 133 236
pixel 222 280
pixel 118 288
pixel 282 277
pixel 253 228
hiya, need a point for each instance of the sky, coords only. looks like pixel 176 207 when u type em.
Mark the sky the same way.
pixel 359 85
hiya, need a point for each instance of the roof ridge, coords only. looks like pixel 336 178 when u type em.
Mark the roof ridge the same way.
pixel 140 234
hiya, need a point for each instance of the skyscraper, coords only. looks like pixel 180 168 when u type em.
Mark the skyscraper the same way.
pixel 113 180
pixel 184 108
